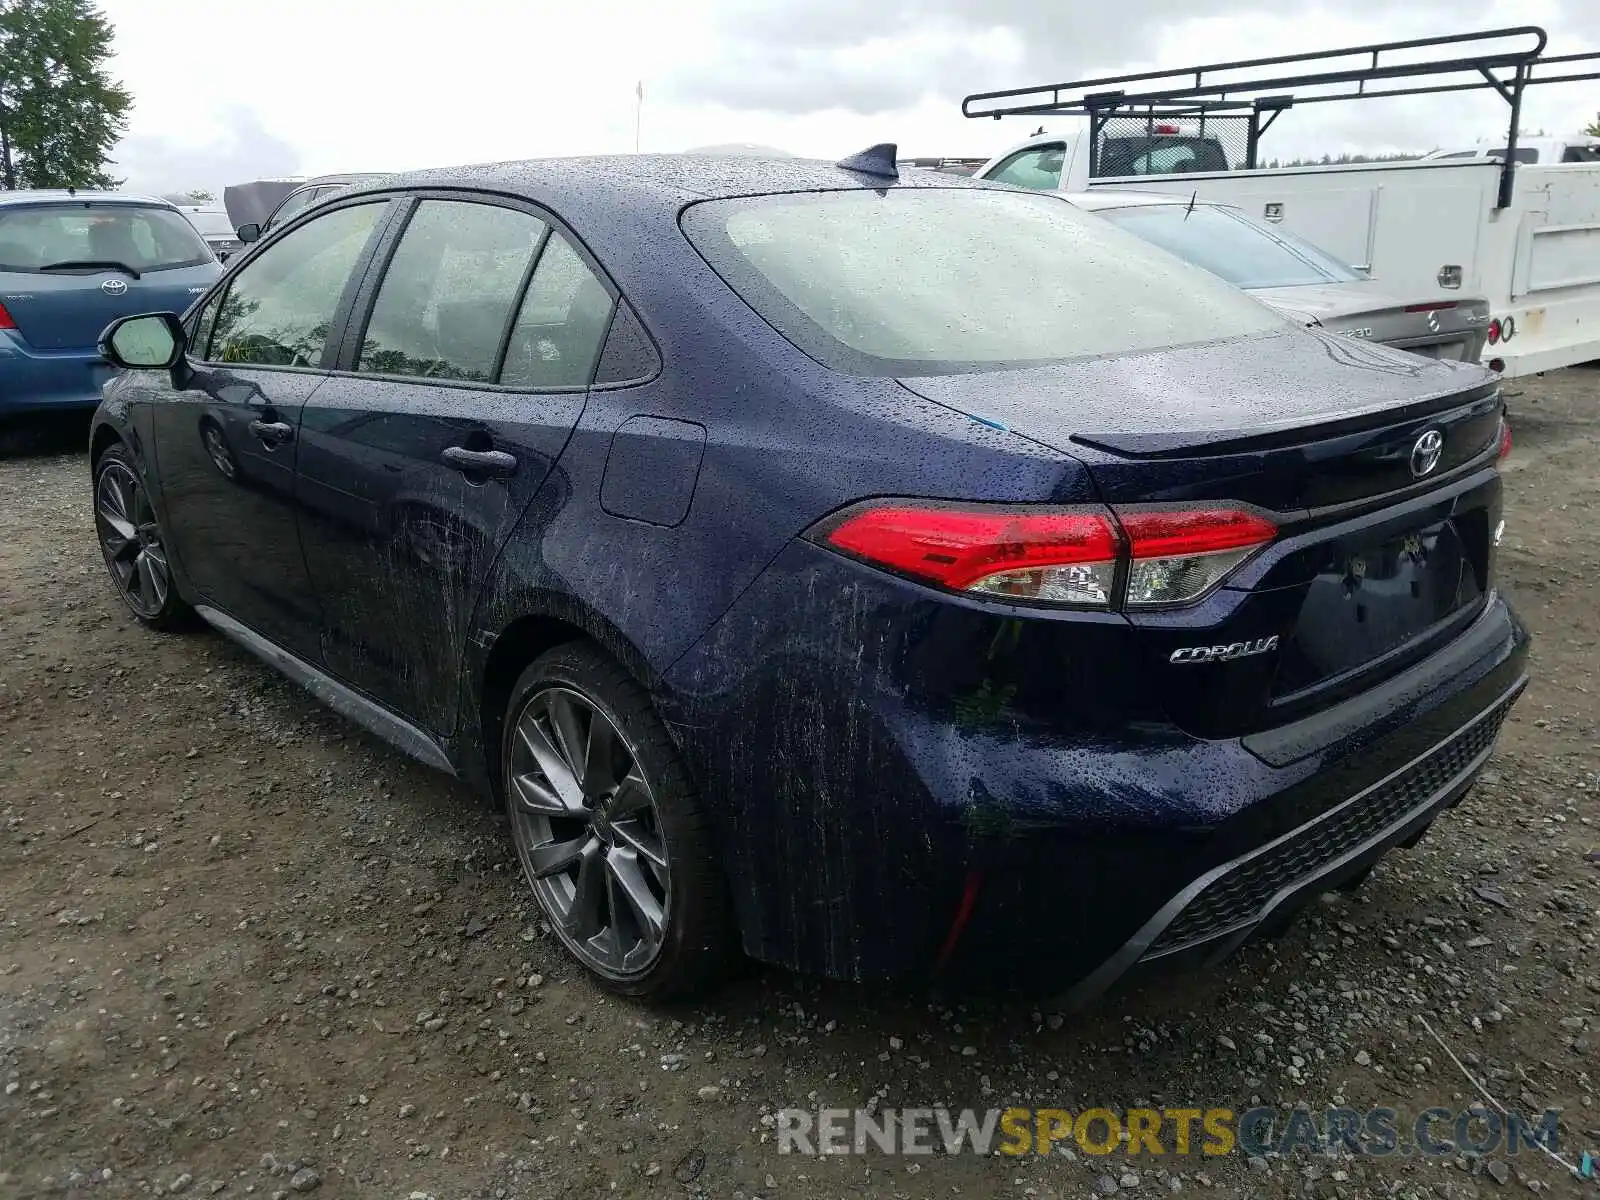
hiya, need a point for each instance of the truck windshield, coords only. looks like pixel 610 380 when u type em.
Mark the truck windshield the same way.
pixel 133 236
pixel 1229 244
pixel 930 281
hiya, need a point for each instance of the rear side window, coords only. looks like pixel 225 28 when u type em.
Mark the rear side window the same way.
pixel 1581 154
pixel 88 237
pixel 278 310
pixel 449 291
pixel 929 281
pixel 292 204
pixel 1038 168
pixel 561 325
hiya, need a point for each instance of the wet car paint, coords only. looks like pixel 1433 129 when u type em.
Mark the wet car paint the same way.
pixel 866 746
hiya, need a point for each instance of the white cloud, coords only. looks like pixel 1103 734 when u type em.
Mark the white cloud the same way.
pixel 227 90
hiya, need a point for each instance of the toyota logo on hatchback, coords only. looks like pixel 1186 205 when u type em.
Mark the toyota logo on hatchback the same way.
pixel 113 287
pixel 1425 454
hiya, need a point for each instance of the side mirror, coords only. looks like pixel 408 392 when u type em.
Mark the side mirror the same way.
pixel 147 342
pixel 249 233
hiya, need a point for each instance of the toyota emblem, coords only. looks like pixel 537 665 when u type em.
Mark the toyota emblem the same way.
pixel 1425 454
pixel 113 287
pixel 1433 322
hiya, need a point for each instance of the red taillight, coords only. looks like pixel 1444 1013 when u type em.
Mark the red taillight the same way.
pixel 1065 556
pixel 1179 555
pixel 1165 129
pixel 1505 439
pixel 1494 332
pixel 1432 306
pixel 5 319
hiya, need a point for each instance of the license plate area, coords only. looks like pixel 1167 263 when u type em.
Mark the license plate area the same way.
pixel 1372 597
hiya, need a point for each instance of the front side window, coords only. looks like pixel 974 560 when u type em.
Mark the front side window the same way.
pixel 561 325
pixel 292 204
pixel 927 281
pixel 278 310
pixel 87 237
pixel 1038 168
pixel 449 292
pixel 1231 245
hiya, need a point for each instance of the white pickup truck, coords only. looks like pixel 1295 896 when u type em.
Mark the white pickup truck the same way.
pixel 1412 225
pixel 1524 234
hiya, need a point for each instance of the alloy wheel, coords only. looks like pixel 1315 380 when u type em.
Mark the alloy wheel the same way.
pixel 588 833
pixel 131 540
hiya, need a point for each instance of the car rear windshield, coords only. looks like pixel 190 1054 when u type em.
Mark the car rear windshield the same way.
pixel 1231 245
pixel 88 236
pixel 211 222
pixel 930 281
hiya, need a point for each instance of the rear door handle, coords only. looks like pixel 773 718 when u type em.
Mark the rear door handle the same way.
pixel 274 433
pixel 479 462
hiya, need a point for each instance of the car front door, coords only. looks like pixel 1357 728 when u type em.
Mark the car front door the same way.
pixel 464 372
pixel 226 442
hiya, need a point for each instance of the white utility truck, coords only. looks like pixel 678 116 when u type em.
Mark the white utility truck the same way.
pixel 1525 235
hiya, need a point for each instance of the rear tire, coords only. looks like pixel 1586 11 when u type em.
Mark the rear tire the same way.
pixel 134 545
pixel 609 831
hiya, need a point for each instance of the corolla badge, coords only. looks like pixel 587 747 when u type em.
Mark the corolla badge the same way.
pixel 1426 453
pixel 1226 652
pixel 113 287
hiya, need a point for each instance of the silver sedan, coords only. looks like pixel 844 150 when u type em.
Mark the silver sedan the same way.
pixel 1304 283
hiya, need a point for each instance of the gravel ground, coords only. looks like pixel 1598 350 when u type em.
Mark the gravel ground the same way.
pixel 245 949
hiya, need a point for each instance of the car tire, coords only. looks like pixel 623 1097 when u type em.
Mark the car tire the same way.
pixel 134 544
pixel 609 831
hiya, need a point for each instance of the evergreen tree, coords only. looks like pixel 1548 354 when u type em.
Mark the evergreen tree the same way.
pixel 60 110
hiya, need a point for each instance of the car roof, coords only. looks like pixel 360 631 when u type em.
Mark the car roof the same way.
pixel 56 195
pixel 627 180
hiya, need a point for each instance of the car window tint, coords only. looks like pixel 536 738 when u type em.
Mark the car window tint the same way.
pixel 201 328
pixel 1038 168
pixel 142 239
pixel 279 308
pixel 928 281
pixel 1581 154
pixel 561 325
pixel 293 204
pixel 629 354
pixel 449 292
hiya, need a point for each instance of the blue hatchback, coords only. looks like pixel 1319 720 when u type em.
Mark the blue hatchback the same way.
pixel 887 575
pixel 70 263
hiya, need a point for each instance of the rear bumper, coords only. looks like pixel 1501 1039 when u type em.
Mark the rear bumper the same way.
pixel 1224 907
pixel 32 379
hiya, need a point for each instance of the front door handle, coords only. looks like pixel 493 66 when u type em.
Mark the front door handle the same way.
pixel 274 433
pixel 479 462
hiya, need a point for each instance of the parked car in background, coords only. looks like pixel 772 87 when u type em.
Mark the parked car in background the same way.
pixel 212 223
pixel 887 573
pixel 71 262
pixel 1302 282
pixel 301 198
pixel 1578 148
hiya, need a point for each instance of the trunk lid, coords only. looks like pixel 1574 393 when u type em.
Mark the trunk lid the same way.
pixel 68 312
pixel 1370 462
pixel 1438 326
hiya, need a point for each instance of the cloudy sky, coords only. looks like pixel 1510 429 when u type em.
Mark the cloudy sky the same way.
pixel 227 90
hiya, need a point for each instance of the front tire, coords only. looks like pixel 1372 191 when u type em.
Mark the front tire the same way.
pixel 133 544
pixel 608 828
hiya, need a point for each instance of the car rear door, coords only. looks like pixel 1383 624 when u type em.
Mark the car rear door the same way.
pixel 465 370
pixel 226 442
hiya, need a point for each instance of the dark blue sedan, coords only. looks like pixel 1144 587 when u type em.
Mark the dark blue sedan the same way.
pixel 69 263
pixel 882 576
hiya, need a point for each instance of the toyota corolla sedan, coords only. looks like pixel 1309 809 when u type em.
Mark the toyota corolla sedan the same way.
pixel 882 576
pixel 69 263
pixel 1304 283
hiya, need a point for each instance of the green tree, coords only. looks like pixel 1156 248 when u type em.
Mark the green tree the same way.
pixel 60 110
pixel 1592 129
